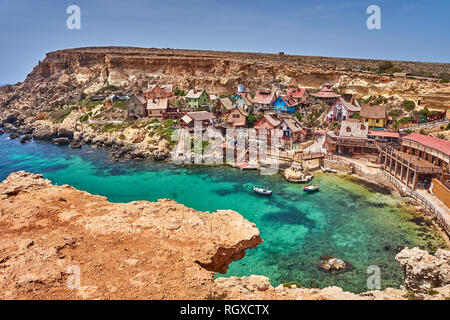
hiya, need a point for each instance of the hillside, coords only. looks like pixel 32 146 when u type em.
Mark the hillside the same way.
pixel 68 74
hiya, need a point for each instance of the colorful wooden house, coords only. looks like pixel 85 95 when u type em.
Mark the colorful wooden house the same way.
pixel 244 101
pixel 155 91
pixel 290 132
pixel 326 94
pixel 237 118
pixel 376 116
pixel 196 98
pixel 136 107
pixel 267 124
pixel 264 100
pixel 284 104
pixel 203 118
pixel 341 110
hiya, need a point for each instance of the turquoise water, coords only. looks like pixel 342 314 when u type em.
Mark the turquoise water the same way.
pixel 345 219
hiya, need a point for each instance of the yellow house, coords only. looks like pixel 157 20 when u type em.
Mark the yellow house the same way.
pixel 375 115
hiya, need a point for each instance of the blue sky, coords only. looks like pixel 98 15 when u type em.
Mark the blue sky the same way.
pixel 415 30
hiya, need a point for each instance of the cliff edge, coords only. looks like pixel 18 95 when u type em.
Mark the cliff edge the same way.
pixel 62 243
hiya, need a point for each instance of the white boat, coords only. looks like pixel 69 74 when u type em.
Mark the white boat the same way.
pixel 328 170
pixel 262 190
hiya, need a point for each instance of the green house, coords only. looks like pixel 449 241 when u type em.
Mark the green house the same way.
pixel 197 98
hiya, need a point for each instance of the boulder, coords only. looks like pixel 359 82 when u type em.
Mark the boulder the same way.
pixel 75 145
pixel 14 136
pixel 26 138
pixel 334 265
pixel 424 271
pixel 43 131
pixel 61 141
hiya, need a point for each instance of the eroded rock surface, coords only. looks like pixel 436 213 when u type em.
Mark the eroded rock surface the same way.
pixel 424 271
pixel 149 250
pixel 143 250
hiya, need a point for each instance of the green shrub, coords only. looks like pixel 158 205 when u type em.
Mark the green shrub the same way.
pixel 411 296
pixel 356 116
pixel 433 292
pixel 108 88
pixel 425 112
pixel 448 126
pixel 180 93
pixel 409 105
pixel 385 66
pixel 290 284
pixel 252 119
pixel 168 123
pixel 444 81
pixel 120 104
pixel 85 117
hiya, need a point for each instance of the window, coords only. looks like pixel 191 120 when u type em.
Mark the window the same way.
pixel 363 127
pixel 348 129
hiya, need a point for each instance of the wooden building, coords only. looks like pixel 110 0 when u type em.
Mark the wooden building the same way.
pixel 326 94
pixel 237 118
pixel 352 139
pixel 204 118
pixel 418 159
pixel 196 98
pixel 263 101
pixel 376 116
pixel 136 107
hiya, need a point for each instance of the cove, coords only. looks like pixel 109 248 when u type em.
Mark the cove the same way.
pixel 347 219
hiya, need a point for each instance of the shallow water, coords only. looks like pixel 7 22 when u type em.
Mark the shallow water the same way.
pixel 344 219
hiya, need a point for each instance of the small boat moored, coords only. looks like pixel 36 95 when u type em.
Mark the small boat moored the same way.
pixel 311 188
pixel 262 190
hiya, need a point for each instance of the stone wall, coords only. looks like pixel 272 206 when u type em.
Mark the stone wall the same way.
pixel 336 165
pixel 441 192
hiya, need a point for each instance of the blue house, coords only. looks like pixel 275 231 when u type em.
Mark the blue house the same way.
pixel 285 104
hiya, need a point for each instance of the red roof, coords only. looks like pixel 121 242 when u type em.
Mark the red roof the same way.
pixel 386 134
pixel 326 92
pixel 296 92
pixel 429 141
pixel 264 98
pixel 289 101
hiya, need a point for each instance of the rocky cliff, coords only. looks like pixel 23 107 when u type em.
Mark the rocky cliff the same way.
pixel 65 74
pixel 61 243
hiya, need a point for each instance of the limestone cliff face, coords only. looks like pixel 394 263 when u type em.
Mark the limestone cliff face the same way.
pixel 64 74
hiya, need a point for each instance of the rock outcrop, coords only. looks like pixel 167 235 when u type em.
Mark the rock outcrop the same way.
pixel 139 250
pixel 61 243
pixel 424 271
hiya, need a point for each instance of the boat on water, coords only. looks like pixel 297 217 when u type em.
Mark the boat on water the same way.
pixel 262 190
pixel 311 188
pixel 328 170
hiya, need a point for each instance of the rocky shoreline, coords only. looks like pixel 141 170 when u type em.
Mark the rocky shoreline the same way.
pixel 137 145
